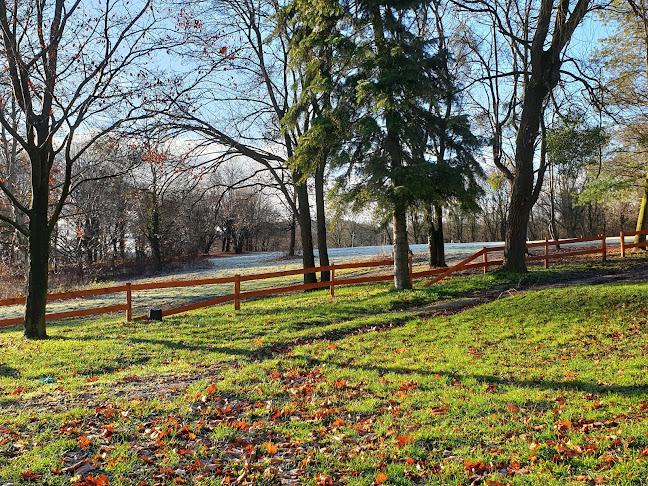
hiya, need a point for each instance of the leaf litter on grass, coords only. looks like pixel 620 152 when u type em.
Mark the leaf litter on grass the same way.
pixel 537 389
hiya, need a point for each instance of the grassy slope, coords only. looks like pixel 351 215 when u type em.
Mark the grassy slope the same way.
pixel 542 388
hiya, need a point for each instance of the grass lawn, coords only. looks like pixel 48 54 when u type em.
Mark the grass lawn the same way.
pixel 543 387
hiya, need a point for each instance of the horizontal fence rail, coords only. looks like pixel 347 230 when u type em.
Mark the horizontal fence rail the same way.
pixel 546 244
pixel 437 275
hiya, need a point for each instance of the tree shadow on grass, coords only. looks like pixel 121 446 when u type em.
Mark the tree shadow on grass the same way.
pixel 458 378
pixel 278 347
pixel 8 371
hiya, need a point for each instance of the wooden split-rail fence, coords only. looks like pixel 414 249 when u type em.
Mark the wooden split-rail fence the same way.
pixel 237 296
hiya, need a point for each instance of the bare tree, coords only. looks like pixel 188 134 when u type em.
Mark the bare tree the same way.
pixel 242 88
pixel 536 34
pixel 74 73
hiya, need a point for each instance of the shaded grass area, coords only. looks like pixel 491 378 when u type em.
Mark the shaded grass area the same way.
pixel 544 387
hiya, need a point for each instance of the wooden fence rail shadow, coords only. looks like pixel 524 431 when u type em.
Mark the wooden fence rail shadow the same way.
pixel 237 280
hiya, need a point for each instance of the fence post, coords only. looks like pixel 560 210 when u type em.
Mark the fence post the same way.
pixel 129 303
pixel 546 255
pixel 485 259
pixel 409 266
pixel 622 244
pixel 332 280
pixel 603 248
pixel 237 292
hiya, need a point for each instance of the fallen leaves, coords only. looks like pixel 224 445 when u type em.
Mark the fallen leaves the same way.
pixel 271 448
pixel 30 476
pixel 410 385
pixel 323 480
pixel 322 410
pixel 403 440
pixel 511 407
pixel 439 411
pixel 100 480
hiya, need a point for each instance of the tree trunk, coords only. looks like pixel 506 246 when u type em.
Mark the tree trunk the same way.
pixel 516 232
pixel 436 245
pixel 553 226
pixel 401 249
pixel 322 245
pixel 523 195
pixel 39 244
pixel 308 256
pixel 293 229
pixel 642 218
pixel 293 235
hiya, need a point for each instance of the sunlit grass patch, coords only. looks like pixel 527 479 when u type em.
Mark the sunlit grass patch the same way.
pixel 543 387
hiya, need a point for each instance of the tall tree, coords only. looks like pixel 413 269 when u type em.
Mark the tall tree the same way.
pixel 624 58
pixel 318 48
pixel 394 76
pixel 537 34
pixel 450 142
pixel 70 66
pixel 240 89
pixel 573 154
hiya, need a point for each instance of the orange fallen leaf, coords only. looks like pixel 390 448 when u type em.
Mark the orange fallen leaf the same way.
pixel 403 440
pixel 380 478
pixel 101 480
pixel 436 411
pixel 323 480
pixel 338 422
pixel 271 448
pixel 495 483
pixel 411 385
pixel 30 476
pixel 511 407
pixel 84 441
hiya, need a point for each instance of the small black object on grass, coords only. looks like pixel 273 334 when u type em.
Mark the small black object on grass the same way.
pixel 155 314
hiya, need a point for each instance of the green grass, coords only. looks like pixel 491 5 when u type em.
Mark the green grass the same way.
pixel 540 388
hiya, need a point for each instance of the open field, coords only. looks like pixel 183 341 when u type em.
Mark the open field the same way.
pixel 537 387
pixel 227 266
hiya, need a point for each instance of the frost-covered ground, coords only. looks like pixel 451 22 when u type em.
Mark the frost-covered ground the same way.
pixel 454 251
pixel 251 263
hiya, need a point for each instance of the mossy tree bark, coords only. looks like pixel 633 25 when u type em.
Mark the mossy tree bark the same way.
pixel 642 217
